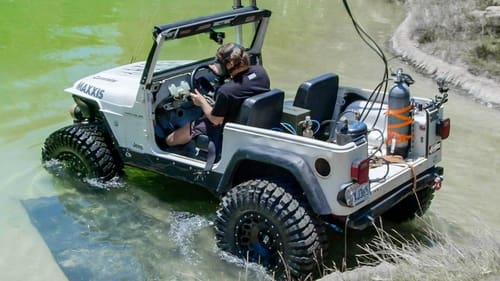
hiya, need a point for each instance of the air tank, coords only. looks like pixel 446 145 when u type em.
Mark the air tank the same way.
pixel 349 130
pixel 399 119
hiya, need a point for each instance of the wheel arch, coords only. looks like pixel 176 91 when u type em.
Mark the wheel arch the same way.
pixel 271 163
pixel 91 113
pixel 86 110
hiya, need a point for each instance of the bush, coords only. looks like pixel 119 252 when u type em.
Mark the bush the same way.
pixel 448 30
pixel 487 52
pixel 426 36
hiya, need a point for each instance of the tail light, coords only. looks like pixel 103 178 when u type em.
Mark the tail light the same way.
pixel 443 128
pixel 360 171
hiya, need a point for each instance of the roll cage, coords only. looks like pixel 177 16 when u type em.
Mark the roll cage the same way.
pixel 209 24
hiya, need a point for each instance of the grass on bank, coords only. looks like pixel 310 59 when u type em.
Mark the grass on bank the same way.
pixel 440 257
pixel 449 255
pixel 435 255
pixel 448 29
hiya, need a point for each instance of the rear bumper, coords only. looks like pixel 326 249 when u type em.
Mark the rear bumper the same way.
pixel 364 217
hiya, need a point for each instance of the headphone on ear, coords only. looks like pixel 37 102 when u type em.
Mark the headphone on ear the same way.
pixel 227 56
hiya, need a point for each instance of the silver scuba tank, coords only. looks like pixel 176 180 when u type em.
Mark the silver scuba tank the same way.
pixel 399 119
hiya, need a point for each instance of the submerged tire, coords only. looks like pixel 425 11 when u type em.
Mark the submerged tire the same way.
pixel 82 151
pixel 259 221
pixel 407 209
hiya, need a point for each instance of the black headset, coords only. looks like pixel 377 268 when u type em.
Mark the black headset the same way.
pixel 227 55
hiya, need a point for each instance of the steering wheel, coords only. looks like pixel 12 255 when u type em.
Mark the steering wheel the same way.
pixel 201 84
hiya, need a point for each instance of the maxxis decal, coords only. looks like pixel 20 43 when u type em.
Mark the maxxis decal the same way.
pixel 90 90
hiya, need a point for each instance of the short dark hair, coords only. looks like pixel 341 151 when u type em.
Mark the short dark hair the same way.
pixel 233 52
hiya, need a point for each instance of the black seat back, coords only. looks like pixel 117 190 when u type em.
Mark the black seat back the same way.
pixel 262 110
pixel 319 95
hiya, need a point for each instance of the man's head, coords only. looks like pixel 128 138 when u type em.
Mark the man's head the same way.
pixel 229 58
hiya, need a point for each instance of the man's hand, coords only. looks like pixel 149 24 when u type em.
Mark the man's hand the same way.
pixel 197 98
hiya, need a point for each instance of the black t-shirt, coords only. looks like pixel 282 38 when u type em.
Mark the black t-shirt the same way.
pixel 231 95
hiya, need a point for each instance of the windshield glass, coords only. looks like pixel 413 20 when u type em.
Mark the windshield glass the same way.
pixel 199 47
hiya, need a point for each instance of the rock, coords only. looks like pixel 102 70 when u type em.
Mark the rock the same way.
pixel 492 15
pixel 489 18
pixel 383 271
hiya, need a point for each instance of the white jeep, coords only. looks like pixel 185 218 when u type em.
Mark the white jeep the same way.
pixel 333 155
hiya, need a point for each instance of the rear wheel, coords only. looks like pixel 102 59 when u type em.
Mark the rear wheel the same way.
pixel 81 150
pixel 260 222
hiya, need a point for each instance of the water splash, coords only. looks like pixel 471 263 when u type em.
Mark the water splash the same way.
pixel 253 271
pixel 183 230
pixel 114 183
pixel 56 167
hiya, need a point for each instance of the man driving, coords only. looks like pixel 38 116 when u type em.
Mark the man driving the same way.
pixel 232 62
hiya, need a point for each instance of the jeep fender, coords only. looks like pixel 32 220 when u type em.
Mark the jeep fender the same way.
pixel 289 161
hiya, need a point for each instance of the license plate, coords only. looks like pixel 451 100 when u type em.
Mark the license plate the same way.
pixel 355 194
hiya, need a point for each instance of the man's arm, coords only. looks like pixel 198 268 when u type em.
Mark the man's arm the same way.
pixel 200 101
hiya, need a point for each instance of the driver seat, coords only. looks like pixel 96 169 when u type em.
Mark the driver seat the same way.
pixel 262 110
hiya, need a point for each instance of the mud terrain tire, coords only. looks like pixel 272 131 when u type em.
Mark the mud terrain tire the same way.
pixel 82 151
pixel 409 207
pixel 259 221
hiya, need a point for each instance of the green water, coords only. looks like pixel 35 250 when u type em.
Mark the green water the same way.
pixel 151 227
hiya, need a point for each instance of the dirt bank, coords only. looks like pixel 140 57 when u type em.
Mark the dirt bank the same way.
pixel 483 89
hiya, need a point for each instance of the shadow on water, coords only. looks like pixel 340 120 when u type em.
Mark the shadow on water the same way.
pixel 151 228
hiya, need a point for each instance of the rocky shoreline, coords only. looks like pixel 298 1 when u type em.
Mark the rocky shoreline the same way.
pixel 482 89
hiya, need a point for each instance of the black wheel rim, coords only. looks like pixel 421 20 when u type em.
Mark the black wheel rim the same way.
pixel 72 164
pixel 258 240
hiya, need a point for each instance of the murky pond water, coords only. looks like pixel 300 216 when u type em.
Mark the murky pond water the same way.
pixel 151 227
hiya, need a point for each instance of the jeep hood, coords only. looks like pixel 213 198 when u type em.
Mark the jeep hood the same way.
pixel 118 86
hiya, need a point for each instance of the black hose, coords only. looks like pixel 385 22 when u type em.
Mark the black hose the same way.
pixel 372 44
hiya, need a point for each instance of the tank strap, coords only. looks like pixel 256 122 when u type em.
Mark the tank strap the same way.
pixel 397 136
pixel 405 121
pixel 400 125
pixel 398 113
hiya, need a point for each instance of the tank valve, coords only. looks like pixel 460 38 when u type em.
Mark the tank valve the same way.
pixel 307 125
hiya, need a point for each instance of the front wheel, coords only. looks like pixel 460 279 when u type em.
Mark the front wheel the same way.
pixel 81 150
pixel 261 222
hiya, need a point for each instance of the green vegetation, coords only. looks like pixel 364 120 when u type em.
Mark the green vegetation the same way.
pixel 451 31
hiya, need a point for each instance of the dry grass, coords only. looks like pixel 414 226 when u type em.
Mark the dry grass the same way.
pixel 439 257
pixel 435 255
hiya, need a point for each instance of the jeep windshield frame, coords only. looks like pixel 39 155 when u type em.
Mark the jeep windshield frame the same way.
pixel 208 24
